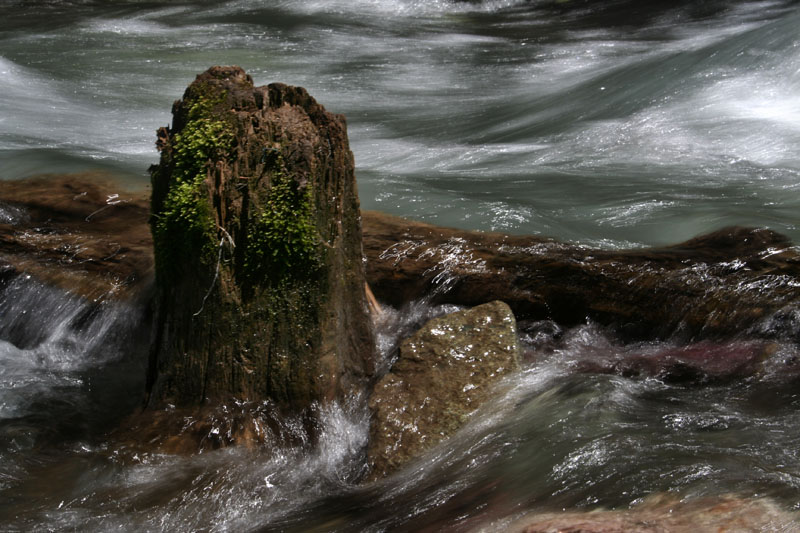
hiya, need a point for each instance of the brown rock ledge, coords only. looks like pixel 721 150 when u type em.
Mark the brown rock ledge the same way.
pixel 717 285
pixel 83 233
pixel 713 286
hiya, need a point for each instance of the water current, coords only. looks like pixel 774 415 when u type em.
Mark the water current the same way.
pixel 613 124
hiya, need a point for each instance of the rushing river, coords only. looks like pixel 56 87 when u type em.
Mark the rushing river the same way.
pixel 614 124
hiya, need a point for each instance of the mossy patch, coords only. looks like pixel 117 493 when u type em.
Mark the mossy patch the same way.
pixel 282 238
pixel 184 227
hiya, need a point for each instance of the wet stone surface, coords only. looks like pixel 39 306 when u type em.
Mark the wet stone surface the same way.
pixel 714 286
pixel 82 233
pixel 444 372
pixel 665 513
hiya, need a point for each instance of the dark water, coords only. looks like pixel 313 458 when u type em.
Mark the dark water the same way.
pixel 608 123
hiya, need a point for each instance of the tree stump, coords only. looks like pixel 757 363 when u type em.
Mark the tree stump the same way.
pixel 258 254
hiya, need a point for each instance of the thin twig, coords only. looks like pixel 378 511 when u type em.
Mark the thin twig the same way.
pixel 225 236
pixel 110 201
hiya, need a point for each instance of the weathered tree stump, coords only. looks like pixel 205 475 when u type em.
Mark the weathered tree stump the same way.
pixel 258 259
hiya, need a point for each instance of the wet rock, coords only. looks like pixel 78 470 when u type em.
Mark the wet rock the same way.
pixel 714 286
pixel 186 431
pixel 666 513
pixel 257 240
pixel 444 372
pixel 702 362
pixel 82 233
pixel 718 285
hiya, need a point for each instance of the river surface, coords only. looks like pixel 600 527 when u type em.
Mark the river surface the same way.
pixel 613 124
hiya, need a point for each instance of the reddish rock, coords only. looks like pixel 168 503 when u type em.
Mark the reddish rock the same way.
pixel 702 362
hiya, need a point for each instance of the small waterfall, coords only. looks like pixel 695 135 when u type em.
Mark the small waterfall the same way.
pixel 69 366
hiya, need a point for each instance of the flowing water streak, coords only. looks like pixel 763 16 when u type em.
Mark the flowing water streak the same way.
pixel 644 126
pixel 67 369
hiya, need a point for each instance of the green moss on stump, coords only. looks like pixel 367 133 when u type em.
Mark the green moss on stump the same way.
pixel 282 239
pixel 184 224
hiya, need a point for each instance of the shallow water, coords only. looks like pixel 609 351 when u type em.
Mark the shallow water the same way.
pixel 553 438
pixel 609 124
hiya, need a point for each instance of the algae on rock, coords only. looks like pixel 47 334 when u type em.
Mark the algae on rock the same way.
pixel 259 272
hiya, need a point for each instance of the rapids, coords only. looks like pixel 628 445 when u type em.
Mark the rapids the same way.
pixel 611 124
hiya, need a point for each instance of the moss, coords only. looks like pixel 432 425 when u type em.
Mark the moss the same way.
pixel 200 141
pixel 204 100
pixel 282 238
pixel 184 226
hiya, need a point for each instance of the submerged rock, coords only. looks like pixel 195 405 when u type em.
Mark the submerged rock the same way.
pixel 664 513
pixel 444 372
pixel 702 362
pixel 190 430
pixel 259 273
